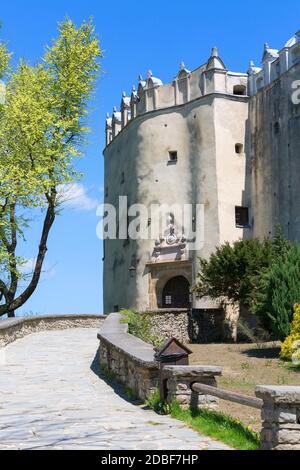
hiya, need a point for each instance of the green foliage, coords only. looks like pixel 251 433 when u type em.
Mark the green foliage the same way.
pixel 219 426
pixel 291 347
pixel 4 58
pixel 276 292
pixel 259 336
pixel 229 271
pixel 139 325
pixel 107 373
pixel 42 128
pixel 263 275
pixel 131 395
pixel 154 402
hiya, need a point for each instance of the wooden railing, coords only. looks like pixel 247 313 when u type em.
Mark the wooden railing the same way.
pixel 227 395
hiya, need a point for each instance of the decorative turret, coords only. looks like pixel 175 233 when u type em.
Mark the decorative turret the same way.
pixel 141 81
pixel 116 122
pixel 134 99
pixel 269 56
pixel 182 85
pixel 152 81
pixel 215 62
pixel 108 128
pixel 253 72
pixel 215 74
pixel 183 70
pixel 125 109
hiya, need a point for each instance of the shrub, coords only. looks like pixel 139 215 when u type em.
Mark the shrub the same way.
pixel 291 346
pixel 276 291
pixel 139 325
pixel 229 272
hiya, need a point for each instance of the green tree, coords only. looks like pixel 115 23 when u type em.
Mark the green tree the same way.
pixel 229 272
pixel 42 127
pixel 4 58
pixel 276 292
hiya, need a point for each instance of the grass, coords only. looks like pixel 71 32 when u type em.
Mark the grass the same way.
pixel 210 423
pixel 108 374
pixel 219 426
pixel 290 366
pixel 131 395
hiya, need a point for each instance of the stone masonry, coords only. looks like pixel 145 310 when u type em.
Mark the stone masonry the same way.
pixel 128 359
pixel 280 416
pixel 170 323
pixel 15 328
pixel 179 380
pixel 52 396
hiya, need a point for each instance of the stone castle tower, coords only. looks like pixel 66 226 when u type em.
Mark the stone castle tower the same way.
pixel 224 140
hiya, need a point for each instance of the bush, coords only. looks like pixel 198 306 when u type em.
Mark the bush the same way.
pixel 276 292
pixel 291 347
pixel 140 326
pixel 229 272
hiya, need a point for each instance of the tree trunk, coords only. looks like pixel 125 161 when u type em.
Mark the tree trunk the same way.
pixel 11 314
pixel 13 304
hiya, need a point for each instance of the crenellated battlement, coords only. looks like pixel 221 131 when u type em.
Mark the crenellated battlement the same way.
pixel 151 94
pixel 212 77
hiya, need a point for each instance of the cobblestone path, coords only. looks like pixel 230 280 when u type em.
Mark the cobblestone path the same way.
pixel 51 398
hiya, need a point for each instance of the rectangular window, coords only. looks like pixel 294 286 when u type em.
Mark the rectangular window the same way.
pixel 239 148
pixel 168 299
pixel 242 216
pixel 173 156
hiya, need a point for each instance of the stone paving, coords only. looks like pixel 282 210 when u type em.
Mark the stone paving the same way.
pixel 51 398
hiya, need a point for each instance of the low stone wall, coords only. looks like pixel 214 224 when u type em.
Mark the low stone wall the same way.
pixel 196 326
pixel 127 358
pixel 170 323
pixel 15 328
pixel 280 417
pixel 177 382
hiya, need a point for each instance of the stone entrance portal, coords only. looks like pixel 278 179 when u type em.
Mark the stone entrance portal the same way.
pixel 176 293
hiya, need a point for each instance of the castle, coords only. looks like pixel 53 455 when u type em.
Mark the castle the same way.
pixel 224 140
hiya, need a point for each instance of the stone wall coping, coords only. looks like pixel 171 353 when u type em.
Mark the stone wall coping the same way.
pixel 279 393
pixel 11 322
pixel 191 371
pixel 164 311
pixel 116 333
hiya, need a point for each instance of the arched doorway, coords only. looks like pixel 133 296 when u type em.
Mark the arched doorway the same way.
pixel 176 293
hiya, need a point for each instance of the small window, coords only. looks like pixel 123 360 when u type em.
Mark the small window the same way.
pixel 276 127
pixel 239 148
pixel 173 156
pixel 242 216
pixel 239 90
pixel 168 299
pixel 123 178
pixel 106 191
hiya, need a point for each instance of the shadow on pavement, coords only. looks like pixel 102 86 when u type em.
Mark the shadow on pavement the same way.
pixel 117 387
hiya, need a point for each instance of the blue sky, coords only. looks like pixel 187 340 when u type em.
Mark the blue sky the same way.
pixel 136 36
